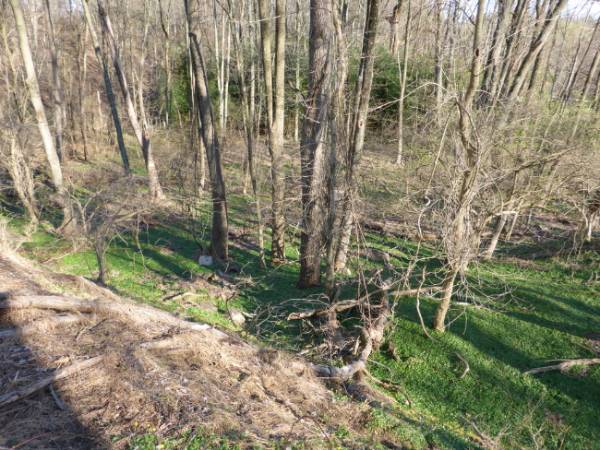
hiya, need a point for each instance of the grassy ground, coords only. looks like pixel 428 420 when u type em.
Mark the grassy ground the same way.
pixel 529 311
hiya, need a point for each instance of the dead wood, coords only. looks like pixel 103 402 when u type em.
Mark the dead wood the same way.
pixel 466 363
pixel 41 325
pixel 372 337
pixel 60 374
pixel 143 317
pixel 345 305
pixel 565 365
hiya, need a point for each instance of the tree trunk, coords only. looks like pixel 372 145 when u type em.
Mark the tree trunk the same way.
pixel 439 322
pixel 219 231
pixel 57 91
pixel 402 74
pixel 357 129
pixel 536 46
pixel 491 248
pixel 458 241
pixel 40 113
pixel 275 99
pixel 312 151
pixel 108 88
pixel 249 126
pixel 140 130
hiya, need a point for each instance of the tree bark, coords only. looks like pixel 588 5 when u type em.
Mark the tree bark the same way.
pixel 275 99
pixel 140 130
pixel 57 91
pixel 312 151
pixel 108 89
pixel 219 231
pixel 40 113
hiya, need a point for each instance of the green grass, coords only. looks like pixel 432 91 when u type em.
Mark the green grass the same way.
pixel 547 310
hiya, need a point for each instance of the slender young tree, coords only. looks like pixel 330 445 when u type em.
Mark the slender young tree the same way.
pixel 108 87
pixel 459 236
pixel 139 127
pixel 357 126
pixel 275 99
pixel 35 97
pixel 57 90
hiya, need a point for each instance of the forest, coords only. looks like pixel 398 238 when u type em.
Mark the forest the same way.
pixel 299 224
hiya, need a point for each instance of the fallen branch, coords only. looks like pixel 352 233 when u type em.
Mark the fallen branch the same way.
pixel 466 363
pixel 372 336
pixel 60 374
pixel 142 316
pixel 565 365
pixel 36 326
pixel 345 305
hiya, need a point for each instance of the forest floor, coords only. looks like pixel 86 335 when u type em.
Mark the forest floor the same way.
pixel 534 303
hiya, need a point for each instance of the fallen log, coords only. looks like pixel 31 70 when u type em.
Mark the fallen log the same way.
pixel 38 325
pixel 141 316
pixel 565 365
pixel 60 374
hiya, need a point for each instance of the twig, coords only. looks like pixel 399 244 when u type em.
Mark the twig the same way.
pixel 60 374
pixel 349 304
pixel 61 405
pixel 466 363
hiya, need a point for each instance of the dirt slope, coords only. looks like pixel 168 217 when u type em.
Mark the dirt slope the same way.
pixel 150 377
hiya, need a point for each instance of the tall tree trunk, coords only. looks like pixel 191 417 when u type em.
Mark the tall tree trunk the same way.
pixel 440 45
pixel 312 150
pixel 141 132
pixel 490 73
pixel 248 123
pixel 275 98
pixel 357 130
pixel 108 89
pixel 297 75
pixel 219 231
pixel 40 113
pixel 402 75
pixel 165 26
pixel 57 91
pixel 459 236
pixel 535 48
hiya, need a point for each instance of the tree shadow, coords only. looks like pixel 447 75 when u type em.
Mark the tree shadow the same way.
pixel 42 419
pixel 575 398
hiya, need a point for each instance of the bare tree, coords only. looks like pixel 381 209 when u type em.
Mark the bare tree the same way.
pixel 459 239
pixel 219 231
pixel 108 87
pixel 275 100
pixel 140 129
pixel 57 90
pixel 312 148
pixel 40 114
pixel 357 126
